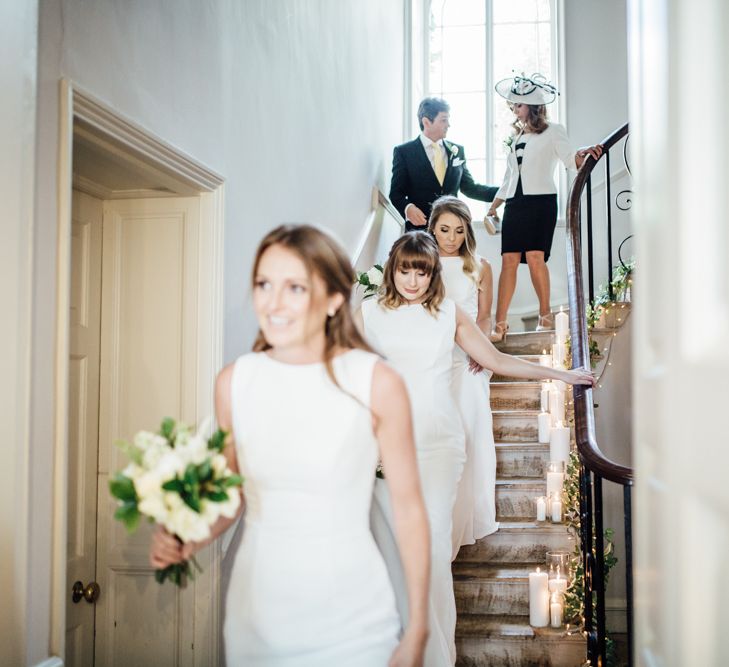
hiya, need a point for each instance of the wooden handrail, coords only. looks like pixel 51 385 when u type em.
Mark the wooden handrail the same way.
pixel 589 452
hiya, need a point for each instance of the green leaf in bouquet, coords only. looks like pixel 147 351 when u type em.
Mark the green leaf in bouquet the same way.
pixel 128 513
pixel 191 477
pixel 167 428
pixel 380 268
pixel 175 485
pixel 232 480
pixel 122 487
pixel 364 279
pixel 217 441
pixel 217 496
pixel 205 471
pixel 191 496
pixel 177 572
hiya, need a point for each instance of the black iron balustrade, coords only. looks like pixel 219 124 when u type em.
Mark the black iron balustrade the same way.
pixel 594 465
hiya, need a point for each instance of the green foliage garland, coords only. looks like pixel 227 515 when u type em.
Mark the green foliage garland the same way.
pixel 574 608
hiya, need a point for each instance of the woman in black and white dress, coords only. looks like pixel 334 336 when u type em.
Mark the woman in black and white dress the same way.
pixel 530 193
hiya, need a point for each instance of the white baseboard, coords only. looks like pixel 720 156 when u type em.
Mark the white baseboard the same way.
pixel 53 661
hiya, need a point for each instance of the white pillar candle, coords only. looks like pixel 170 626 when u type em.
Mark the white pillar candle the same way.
pixel 561 324
pixel 559 442
pixel 556 510
pixel 545 359
pixel 538 599
pixel 541 508
pixel 556 405
pixel 555 480
pixel 555 610
pixel 558 584
pixel 559 354
pixel 544 421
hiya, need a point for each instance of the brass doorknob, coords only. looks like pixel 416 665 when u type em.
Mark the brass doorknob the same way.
pixel 90 593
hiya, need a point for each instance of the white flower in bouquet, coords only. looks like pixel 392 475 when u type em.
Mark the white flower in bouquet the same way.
pixel 375 275
pixel 371 279
pixel 179 479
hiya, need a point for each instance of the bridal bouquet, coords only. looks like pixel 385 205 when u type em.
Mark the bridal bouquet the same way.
pixel 372 280
pixel 180 479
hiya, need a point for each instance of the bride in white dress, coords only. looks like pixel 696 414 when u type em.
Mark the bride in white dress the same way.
pixel 416 328
pixel 310 411
pixel 467 281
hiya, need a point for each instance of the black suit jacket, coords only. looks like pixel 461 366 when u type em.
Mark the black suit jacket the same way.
pixel 414 181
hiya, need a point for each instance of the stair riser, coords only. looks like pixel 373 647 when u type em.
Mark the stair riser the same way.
pixel 515 428
pixel 493 596
pixel 534 343
pixel 506 652
pixel 522 462
pixel 515 400
pixel 509 547
pixel 518 503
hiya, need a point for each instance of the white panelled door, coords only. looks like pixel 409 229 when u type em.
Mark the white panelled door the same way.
pixel 83 424
pixel 148 371
pixel 135 358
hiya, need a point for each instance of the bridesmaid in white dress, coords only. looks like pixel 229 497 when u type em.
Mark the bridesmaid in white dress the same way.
pixel 416 328
pixel 467 281
pixel 307 410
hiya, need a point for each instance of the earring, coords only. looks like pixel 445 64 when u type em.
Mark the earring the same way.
pixel 331 313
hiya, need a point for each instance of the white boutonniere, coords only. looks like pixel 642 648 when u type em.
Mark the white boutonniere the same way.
pixel 454 150
pixel 508 143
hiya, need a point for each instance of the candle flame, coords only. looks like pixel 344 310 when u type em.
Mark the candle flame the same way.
pixel 538 569
pixel 544 351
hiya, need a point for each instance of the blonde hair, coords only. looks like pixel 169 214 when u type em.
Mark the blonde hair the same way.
pixel 322 256
pixel 413 250
pixel 453 205
pixel 536 121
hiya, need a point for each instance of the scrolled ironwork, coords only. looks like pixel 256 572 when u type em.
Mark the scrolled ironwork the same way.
pixel 628 202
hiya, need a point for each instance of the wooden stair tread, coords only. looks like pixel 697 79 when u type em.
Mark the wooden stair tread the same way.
pixel 485 625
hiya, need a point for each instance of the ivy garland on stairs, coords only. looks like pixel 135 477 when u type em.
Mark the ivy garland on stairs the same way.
pixel 574 609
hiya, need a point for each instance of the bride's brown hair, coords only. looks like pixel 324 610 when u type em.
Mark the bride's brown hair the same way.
pixel 322 256
pixel 413 250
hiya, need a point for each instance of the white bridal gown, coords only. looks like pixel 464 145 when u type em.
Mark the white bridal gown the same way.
pixel 309 587
pixel 420 347
pixel 474 514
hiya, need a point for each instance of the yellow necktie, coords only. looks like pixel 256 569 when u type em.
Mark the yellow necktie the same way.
pixel 439 164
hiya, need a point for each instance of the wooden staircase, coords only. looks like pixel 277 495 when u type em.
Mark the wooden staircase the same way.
pixel 491 576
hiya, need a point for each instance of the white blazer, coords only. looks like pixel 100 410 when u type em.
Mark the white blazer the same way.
pixel 538 162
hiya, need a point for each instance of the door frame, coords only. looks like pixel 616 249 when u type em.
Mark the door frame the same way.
pixel 149 150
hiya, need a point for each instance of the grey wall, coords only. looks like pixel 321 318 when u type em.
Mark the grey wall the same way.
pixel 296 103
pixel 18 44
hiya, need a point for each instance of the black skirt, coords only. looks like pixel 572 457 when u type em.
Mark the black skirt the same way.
pixel 528 224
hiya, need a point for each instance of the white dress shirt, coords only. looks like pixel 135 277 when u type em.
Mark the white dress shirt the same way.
pixel 538 163
pixel 430 150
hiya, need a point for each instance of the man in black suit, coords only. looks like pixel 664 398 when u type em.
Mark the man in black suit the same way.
pixel 428 167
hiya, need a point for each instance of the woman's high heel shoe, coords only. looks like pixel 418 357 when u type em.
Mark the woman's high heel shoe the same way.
pixel 545 322
pixel 499 332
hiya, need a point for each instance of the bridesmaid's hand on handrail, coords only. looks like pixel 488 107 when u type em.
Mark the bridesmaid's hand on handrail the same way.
pixel 580 376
